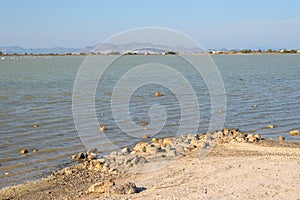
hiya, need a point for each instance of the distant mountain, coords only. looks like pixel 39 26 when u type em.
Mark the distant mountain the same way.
pixel 20 50
pixel 143 46
pixel 103 48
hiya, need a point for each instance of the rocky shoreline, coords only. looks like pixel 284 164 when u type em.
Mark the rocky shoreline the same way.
pixel 113 176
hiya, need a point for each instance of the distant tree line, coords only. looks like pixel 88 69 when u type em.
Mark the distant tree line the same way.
pixel 249 51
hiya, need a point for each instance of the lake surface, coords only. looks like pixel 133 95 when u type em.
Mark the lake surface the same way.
pixel 38 90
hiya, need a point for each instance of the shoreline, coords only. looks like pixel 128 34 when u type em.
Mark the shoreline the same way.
pixel 120 54
pixel 153 169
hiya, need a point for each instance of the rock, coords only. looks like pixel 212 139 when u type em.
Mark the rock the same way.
pixel 81 156
pixel 68 171
pixel 92 151
pixel 23 151
pixel 74 157
pixel 270 126
pixel 34 150
pixel 92 156
pixel 141 147
pixel 101 187
pixel 36 126
pixel 254 106
pixel 158 94
pixel 146 136
pixel 204 145
pixel 105 168
pixel 281 138
pixel 111 188
pixel 102 160
pixel 125 150
pixel 225 131
pixel 127 188
pixel 167 141
pixel 112 170
pixel 171 153
pixel 295 132
pixel 251 138
pixel 144 123
pixel 154 140
pixel 113 153
pixel 258 136
pixel 103 128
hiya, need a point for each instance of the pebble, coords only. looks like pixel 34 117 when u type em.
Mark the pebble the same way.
pixel 167 141
pixel 23 151
pixel 258 136
pixel 144 123
pixel 34 150
pixel 125 150
pixel 270 126
pixel 103 128
pixel 92 156
pixel 295 132
pixel 204 145
pixel 281 138
pixel 140 147
pixel 158 94
pixel 36 126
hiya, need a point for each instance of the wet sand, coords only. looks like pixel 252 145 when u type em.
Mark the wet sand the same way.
pixel 265 169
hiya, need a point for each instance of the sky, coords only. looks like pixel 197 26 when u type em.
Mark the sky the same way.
pixel 214 24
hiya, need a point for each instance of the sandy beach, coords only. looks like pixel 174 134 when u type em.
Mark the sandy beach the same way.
pixel 261 169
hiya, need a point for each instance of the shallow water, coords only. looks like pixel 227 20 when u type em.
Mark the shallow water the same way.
pixel 38 90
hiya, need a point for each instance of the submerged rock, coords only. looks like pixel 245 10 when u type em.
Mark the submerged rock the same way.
pixel 281 138
pixel 23 151
pixel 295 132
pixel 103 128
pixel 270 126
pixel 144 123
pixel 158 94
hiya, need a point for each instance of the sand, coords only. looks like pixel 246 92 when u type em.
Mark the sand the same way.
pixel 265 170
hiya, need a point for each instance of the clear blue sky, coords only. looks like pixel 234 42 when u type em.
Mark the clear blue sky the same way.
pixel 214 24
